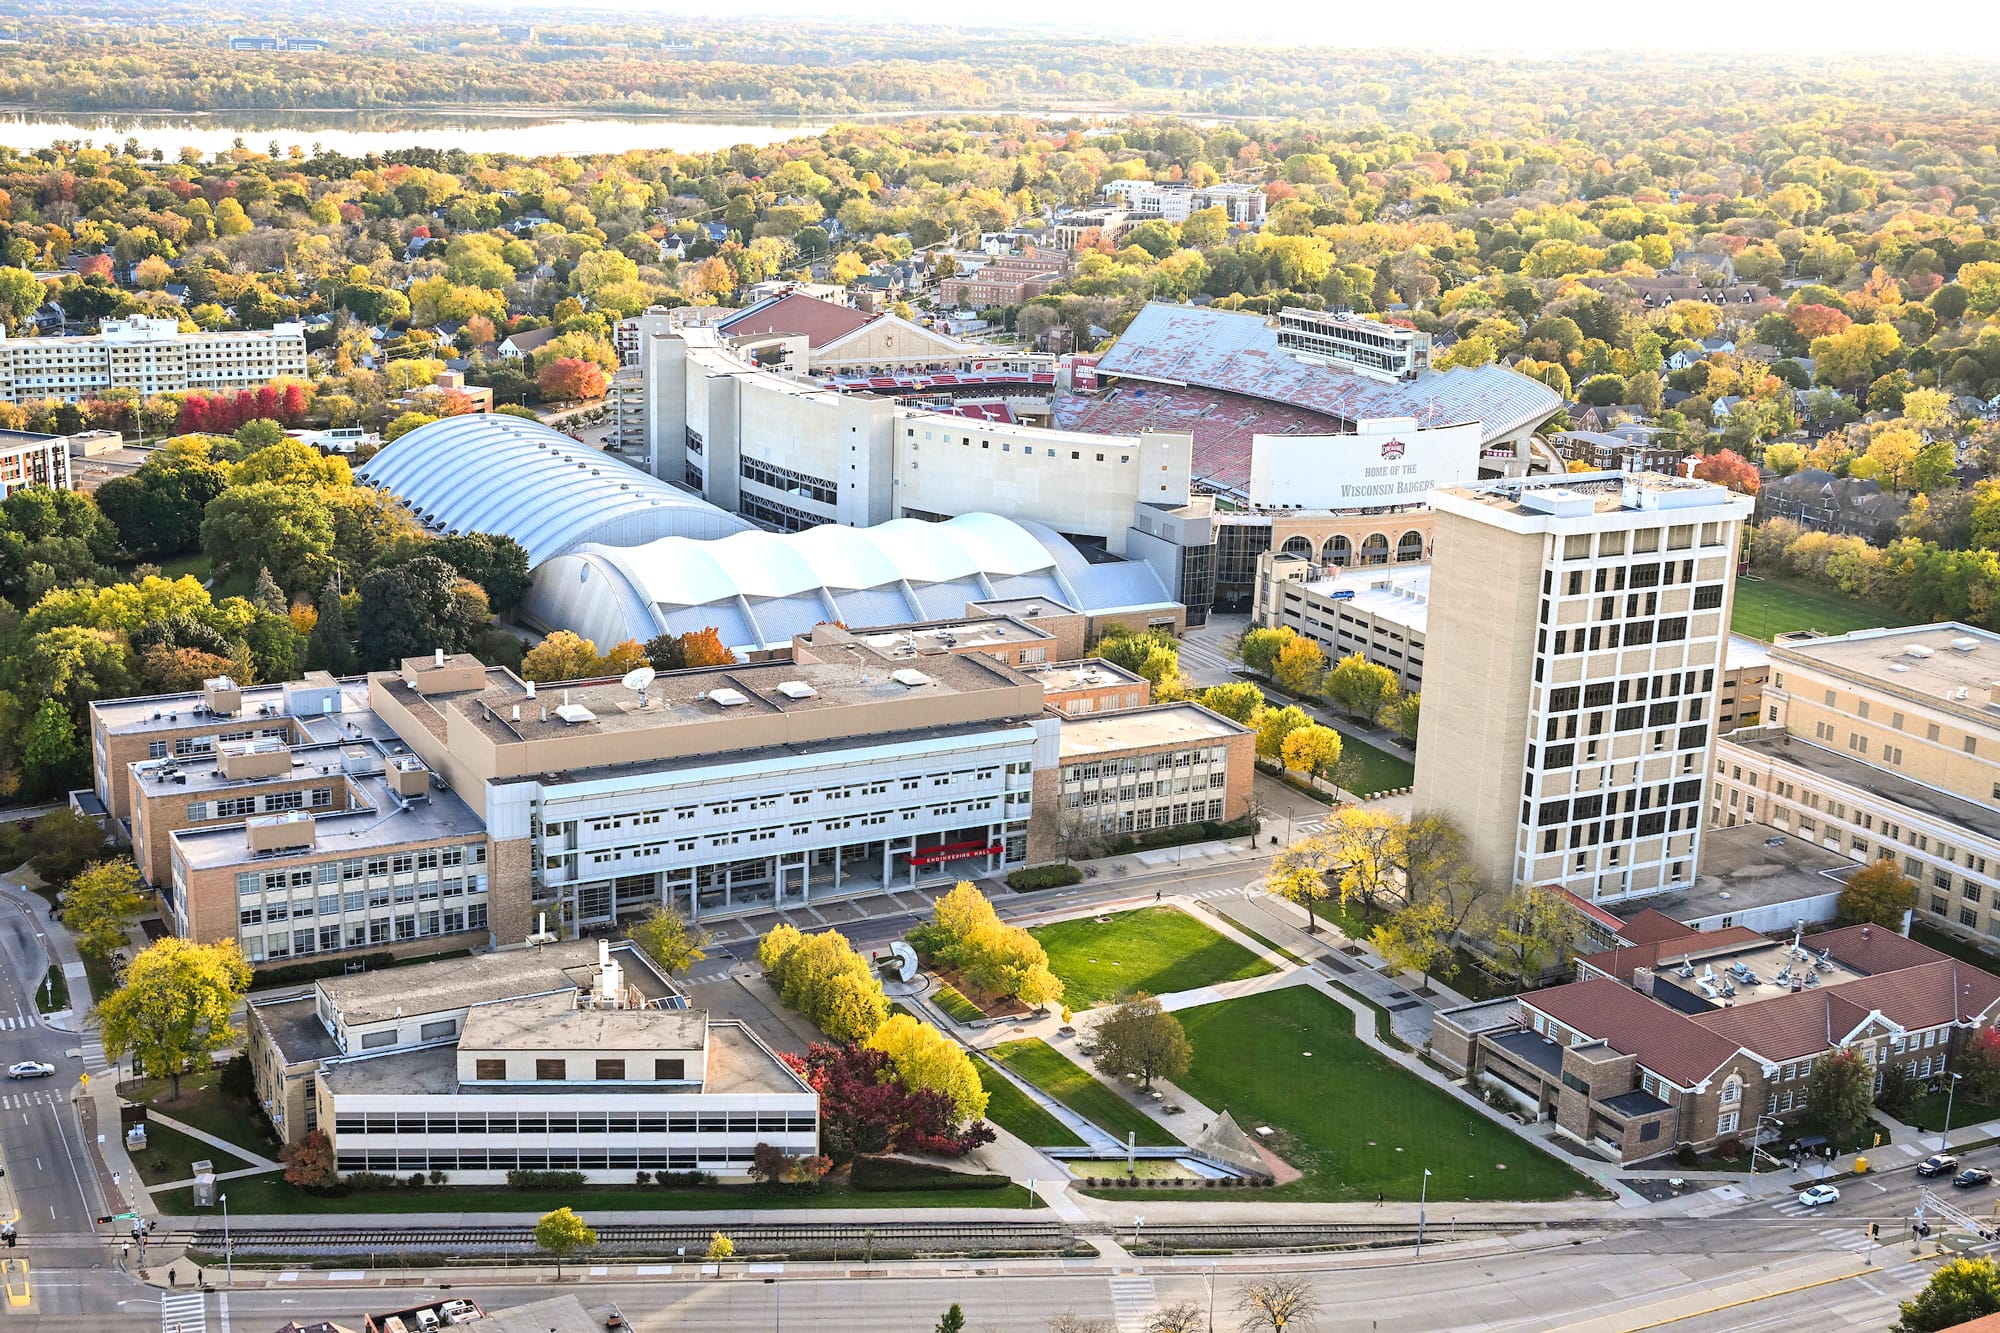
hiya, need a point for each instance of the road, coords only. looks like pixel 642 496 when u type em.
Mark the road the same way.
pixel 50 1179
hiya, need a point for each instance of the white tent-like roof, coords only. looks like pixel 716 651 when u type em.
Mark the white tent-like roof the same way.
pixel 518 478
pixel 760 588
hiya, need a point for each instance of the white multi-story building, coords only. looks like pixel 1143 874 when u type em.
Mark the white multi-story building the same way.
pixel 1576 633
pixel 1379 613
pixel 559 1057
pixel 150 356
pixel 28 459
pixel 1176 201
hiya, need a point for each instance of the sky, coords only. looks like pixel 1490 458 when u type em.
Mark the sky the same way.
pixel 1941 27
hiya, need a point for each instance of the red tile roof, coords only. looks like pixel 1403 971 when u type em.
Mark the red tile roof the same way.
pixel 1804 1023
pixel 1688 944
pixel 1652 926
pixel 1666 1042
pixel 795 312
pixel 1872 949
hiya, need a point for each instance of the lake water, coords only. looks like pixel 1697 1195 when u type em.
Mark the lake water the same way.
pixel 355 133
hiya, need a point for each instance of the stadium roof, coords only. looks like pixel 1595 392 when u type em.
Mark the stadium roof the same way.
pixel 795 312
pixel 1239 353
pixel 502 474
pixel 760 588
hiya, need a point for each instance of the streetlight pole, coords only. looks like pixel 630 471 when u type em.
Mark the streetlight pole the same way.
pixel 1423 1194
pixel 1757 1136
pixel 1944 1139
pixel 228 1251
pixel 1211 1296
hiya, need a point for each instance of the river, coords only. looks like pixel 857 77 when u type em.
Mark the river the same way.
pixel 530 133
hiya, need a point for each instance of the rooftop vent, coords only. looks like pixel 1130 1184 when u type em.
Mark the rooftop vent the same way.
pixel 1965 644
pixel 575 713
pixel 909 679
pixel 796 689
pixel 727 697
pixel 1918 651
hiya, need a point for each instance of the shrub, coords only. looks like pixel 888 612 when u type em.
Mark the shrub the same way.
pixel 544 1180
pixel 683 1180
pixel 1685 1155
pixel 897 1173
pixel 1730 1147
pixel 368 1180
pixel 1044 877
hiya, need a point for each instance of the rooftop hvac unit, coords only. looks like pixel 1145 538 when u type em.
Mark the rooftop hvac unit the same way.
pixel 909 679
pixel 796 689
pixel 575 713
pixel 727 697
pixel 1918 650
pixel 1964 644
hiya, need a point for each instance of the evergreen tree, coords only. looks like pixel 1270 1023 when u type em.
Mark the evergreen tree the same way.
pixel 328 649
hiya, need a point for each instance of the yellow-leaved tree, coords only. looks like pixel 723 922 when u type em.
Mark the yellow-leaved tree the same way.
pixel 927 1060
pixel 967 936
pixel 175 1004
pixel 823 978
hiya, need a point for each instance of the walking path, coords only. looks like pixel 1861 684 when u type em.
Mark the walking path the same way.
pixel 257 1162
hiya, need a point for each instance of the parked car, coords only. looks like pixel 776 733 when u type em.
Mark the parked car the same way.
pixel 1815 1195
pixel 1971 1178
pixel 1937 1164
pixel 31 1069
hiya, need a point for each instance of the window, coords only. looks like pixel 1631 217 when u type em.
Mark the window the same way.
pixel 1732 1092
pixel 439 1030
pixel 1726 1123
pixel 608 1070
pixel 376 1040
pixel 489 1071
pixel 551 1071
pixel 670 1071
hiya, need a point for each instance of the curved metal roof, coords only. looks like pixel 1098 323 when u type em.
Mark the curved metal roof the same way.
pixel 521 479
pixel 759 587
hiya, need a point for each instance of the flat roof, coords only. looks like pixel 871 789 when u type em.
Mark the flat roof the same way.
pixel 382 820
pixel 1604 492
pixel 1133 728
pixel 1027 607
pixel 1981 818
pixel 964 632
pixel 192 774
pixel 1753 866
pixel 1087 673
pixel 1397 594
pixel 459 983
pixel 556 1023
pixel 175 712
pixel 294 1027
pixel 1745 653
pixel 843 674
pixel 1953 663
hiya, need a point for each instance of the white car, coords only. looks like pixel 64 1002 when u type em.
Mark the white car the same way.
pixel 31 1069
pixel 1815 1195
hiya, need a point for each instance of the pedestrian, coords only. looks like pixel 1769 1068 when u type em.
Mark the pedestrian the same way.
pixel 1378 1198
pixel 173 1277
pixel 1156 895
pixel 199 1281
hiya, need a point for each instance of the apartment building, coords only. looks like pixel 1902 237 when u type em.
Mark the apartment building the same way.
pixel 1006 280
pixel 28 459
pixel 1380 614
pixel 1176 201
pixel 577 1056
pixel 1576 630
pixel 148 355
pixel 1883 743
pixel 1696 1037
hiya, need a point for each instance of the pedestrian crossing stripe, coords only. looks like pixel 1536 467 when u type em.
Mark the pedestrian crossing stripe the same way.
pixel 1131 1303
pixel 183 1312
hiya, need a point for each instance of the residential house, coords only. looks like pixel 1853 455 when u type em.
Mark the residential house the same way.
pixel 1847 506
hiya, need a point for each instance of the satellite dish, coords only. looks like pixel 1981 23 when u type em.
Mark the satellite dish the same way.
pixel 637 679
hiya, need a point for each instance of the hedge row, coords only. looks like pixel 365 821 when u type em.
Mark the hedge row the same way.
pixel 897 1173
pixel 1044 877
pixel 292 974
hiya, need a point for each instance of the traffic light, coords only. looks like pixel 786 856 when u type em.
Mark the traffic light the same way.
pixel 105 1221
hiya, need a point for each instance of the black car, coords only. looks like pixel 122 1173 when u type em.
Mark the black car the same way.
pixel 1936 1165
pixel 1970 1177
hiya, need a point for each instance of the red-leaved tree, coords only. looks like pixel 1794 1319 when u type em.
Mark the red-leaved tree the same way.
pixel 865 1108
pixel 571 377
pixel 1730 469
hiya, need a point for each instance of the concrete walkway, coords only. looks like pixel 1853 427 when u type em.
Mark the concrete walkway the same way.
pixel 257 1162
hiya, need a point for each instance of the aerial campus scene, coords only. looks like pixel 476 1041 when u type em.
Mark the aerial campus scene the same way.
pixel 1141 671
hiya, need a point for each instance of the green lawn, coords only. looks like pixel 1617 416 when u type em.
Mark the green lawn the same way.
pixel 1355 1123
pixel 259 1195
pixel 1155 949
pixel 170 1155
pixel 955 1004
pixel 1767 607
pixel 1078 1089
pixel 1376 769
pixel 202 1105
pixel 1014 1111
pixel 1928 1112
pixel 53 993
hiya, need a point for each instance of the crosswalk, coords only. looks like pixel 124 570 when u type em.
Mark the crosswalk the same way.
pixel 1132 1300
pixel 11 1022
pixel 183 1312
pixel 94 1059
pixel 18 1101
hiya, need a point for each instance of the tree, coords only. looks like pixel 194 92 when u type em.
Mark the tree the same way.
pixel 1238 700
pixel 823 978
pixel 1274 724
pixel 1841 1094
pixel 1277 1303
pixel 665 936
pixel 310 1163
pixel 695 648
pixel 100 903
pixel 327 647
pixel 1152 654
pixel 497 563
pixel 1784 458
pixel 1139 1037
pixel 1258 649
pixel 1364 850
pixel 1877 893
pixel 928 1061
pixel 1415 937
pixel 21 295
pixel 1728 468
pixel 1300 668
pixel 174 1005
pixel 864 1106
pixel 416 607
pixel 280 528
pixel 1360 686
pixel 1310 749
pixel 158 509
pixel 570 378
pixel 1401 714
pixel 1071 1322
pixel 563 1234
pixel 1963 1290
pixel 720 1247
pixel 1535 930
pixel 1183 1317
pixel 952 1320
pixel 563 655
pixel 61 843
pixel 1980 1064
